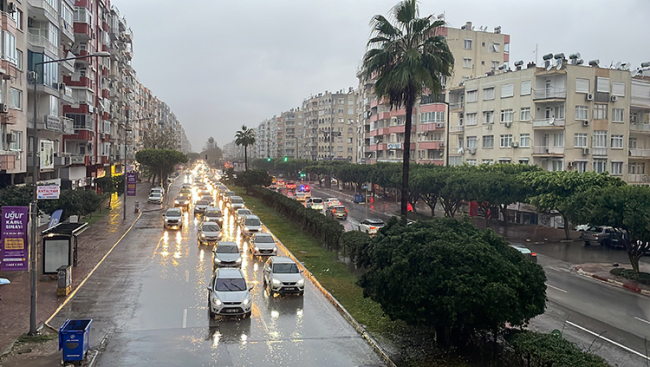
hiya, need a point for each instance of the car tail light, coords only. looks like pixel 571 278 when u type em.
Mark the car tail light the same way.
pixel 533 254
pixel 346 211
pixel 373 227
pixel 333 210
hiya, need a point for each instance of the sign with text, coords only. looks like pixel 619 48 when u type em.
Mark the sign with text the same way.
pixel 14 238
pixel 48 192
pixel 131 178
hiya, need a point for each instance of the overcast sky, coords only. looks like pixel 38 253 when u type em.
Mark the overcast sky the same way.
pixel 220 64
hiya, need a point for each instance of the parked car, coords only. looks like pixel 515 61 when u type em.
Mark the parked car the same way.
pixel 597 234
pixel 228 293
pixel 329 202
pixel 337 211
pixel 525 251
pixel 213 214
pixel 371 226
pixel 240 213
pixel 155 198
pixel 250 224
pixel 173 218
pixel 226 254
pixel 200 206
pixel 182 201
pixel 157 189
pixel 262 244
pixel 209 233
pixel 281 275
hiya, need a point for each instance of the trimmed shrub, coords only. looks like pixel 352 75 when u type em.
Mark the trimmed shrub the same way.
pixel 540 350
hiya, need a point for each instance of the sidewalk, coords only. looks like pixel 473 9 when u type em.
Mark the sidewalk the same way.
pixel 93 245
pixel 602 273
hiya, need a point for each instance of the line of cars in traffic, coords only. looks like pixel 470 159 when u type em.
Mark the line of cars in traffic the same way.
pixel 229 293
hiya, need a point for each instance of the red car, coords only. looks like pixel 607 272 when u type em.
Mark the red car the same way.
pixel 291 185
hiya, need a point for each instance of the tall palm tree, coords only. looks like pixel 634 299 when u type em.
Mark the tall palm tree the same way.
pixel 245 137
pixel 407 58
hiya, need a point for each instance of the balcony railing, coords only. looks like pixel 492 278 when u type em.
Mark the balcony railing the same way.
pixel 456 129
pixel 77 159
pixel 639 152
pixel 638 178
pixel 551 93
pixel 599 151
pixel 640 127
pixel 548 150
pixel 45 6
pixel 41 41
pixel 548 122
pixel 68 125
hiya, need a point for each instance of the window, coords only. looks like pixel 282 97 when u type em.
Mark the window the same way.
pixel 556 165
pixel 66 14
pixel 16 99
pixel 53 34
pixel 580 166
pixel 582 113
pixel 341 100
pixel 616 168
pixel 600 165
pixel 54 106
pixel 580 140
pixel 525 114
pixel 488 94
pixel 467 63
pixel 506 115
pixel 470 119
pixel 471 162
pixel 340 111
pixel 506 141
pixel 472 96
pixel 467 44
pixel 495 47
pixel 523 160
pixel 617 142
pixel 506 48
pixel 495 64
pixel 17 140
pixel 600 111
pixel 632 143
pixel 618 89
pixel 10 53
pixel 602 85
pixel 636 168
pixel 617 114
pixel 554 112
pixel 428 117
pixel 17 16
pixel 19 59
pixel 507 90
pixel 488 117
pixel 600 139
pixel 558 139
pixel 487 161
pixel 504 160
pixel 525 87
pixel 472 142
pixel 524 140
pixel 488 141
pixel 582 85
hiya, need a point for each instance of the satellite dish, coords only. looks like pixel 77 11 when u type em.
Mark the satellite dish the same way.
pixel 460 150
pixel 550 65
pixel 618 65
pixel 551 121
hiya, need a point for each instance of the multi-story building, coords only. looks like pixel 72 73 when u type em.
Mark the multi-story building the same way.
pixel 561 116
pixel 476 52
pixel 292 133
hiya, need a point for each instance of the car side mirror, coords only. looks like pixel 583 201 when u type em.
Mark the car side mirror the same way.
pixel 251 288
pixel 164 215
pixel 301 271
pixel 209 288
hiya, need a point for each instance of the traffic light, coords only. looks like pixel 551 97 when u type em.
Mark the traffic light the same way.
pixel 268 159
pixel 285 158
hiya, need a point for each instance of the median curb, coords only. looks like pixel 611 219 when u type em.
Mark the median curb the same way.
pixel 339 307
pixel 612 281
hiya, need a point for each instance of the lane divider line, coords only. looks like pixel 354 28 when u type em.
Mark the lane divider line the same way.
pixel 609 340
pixel 642 320
pixel 47 322
pixel 556 288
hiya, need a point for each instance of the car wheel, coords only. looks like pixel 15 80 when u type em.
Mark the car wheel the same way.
pixel 271 292
pixel 248 314
pixel 587 243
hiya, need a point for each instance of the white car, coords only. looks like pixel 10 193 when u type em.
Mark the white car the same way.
pixel 157 189
pixel 281 275
pixel 241 213
pixel 262 244
pixel 250 224
pixel 371 226
pixel 330 202
pixel 226 254
pixel 155 198
pixel 228 294
pixel 173 218
pixel 235 203
pixel 314 203
pixel 213 214
pixel 201 206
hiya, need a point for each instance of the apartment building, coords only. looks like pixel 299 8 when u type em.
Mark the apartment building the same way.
pixel 476 52
pixel 560 116
pixel 292 134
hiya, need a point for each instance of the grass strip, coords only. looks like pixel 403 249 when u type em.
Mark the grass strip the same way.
pixel 334 275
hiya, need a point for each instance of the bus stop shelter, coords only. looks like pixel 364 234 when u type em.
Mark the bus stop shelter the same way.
pixel 60 246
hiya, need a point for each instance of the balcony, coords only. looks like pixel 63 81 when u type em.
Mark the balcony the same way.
pixel 599 151
pixel 457 129
pixel 429 144
pixel 640 128
pixel 395 129
pixel 49 123
pixel 68 125
pixel 436 161
pixel 548 151
pixel 42 7
pixel 67 30
pixel 548 123
pixel 432 126
pixel 456 106
pixel 82 31
pixel 36 40
pixel 638 178
pixel 78 159
pixel 7 160
pixel 384 115
pixel 549 94
pixel 77 80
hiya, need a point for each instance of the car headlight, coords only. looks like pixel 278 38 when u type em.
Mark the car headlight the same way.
pixel 257 249
pixel 217 260
pixel 246 228
pixel 176 202
pixel 202 235
pixel 238 260
pixel 276 282
pixel 246 301
pixel 301 282
pixel 216 301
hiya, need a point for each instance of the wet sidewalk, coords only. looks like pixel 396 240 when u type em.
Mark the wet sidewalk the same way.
pixel 93 245
pixel 601 272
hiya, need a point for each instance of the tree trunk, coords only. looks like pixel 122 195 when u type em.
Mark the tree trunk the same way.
pixel 407 154
pixel 566 227
pixel 245 158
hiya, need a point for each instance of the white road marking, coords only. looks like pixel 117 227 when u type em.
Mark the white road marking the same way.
pixel 184 318
pixel 640 319
pixel 187 276
pixel 559 269
pixel 556 288
pixel 609 340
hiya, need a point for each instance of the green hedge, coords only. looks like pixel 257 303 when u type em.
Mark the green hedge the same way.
pixel 643 278
pixel 540 350
pixel 326 229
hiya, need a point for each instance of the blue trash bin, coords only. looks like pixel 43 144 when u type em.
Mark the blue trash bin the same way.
pixel 358 198
pixel 74 337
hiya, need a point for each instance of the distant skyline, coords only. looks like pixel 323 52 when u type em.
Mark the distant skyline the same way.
pixel 220 65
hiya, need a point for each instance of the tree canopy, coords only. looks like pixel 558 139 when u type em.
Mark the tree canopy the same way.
pixel 245 137
pixel 160 162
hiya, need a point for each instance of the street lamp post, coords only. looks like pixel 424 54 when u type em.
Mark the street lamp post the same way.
pixel 33 207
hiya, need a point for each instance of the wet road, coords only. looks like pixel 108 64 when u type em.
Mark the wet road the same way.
pixel 149 305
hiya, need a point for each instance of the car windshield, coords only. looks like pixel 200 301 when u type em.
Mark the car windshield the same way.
pixel 213 213
pixel 210 227
pixel 236 200
pixel 227 249
pixel 202 202
pixel 243 212
pixel 374 222
pixel 155 194
pixel 285 268
pixel 317 201
pixel 252 222
pixel 264 239
pixel 174 213
pixel 228 284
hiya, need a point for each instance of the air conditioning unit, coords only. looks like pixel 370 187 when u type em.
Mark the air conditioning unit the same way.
pixel 585 123
pixel 514 144
pixel 613 98
pixel 4 108
pixel 589 97
pixel 442 144
pixel 585 151
pixel 440 124
pixel 507 124
pixel 472 151
pixel 11 8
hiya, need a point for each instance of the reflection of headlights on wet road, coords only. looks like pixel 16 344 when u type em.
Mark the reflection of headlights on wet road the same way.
pixel 301 282
pixel 276 282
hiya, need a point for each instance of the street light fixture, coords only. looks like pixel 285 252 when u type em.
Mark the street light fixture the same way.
pixel 34 204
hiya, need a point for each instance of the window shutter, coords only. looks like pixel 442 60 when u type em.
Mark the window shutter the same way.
pixel 582 85
pixel 507 90
pixel 618 89
pixel 602 85
pixel 525 88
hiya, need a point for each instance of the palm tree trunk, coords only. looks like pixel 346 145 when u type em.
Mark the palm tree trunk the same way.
pixel 406 156
pixel 245 157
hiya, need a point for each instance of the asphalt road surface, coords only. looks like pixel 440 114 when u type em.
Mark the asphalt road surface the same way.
pixel 148 301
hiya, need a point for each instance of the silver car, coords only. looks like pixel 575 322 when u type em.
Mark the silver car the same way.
pixel 213 214
pixel 250 224
pixel 241 213
pixel 226 254
pixel 263 244
pixel 235 203
pixel 155 197
pixel 173 218
pixel 228 294
pixel 281 275
pixel 209 233
pixel 200 206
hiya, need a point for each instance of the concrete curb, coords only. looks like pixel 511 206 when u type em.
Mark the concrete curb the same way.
pixel 613 282
pixel 369 339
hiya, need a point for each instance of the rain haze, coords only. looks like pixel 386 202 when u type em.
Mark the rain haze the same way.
pixel 223 64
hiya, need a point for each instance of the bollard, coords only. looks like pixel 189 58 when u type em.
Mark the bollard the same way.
pixel 137 207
